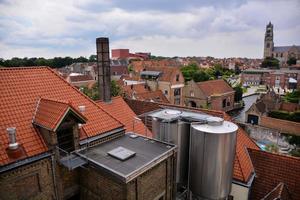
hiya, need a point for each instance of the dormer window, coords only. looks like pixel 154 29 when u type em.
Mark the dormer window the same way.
pixel 60 119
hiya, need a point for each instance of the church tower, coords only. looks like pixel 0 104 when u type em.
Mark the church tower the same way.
pixel 269 43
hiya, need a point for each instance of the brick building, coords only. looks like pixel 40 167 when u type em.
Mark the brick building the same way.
pixel 125 54
pixel 57 130
pixel 283 78
pixel 214 94
pixel 162 75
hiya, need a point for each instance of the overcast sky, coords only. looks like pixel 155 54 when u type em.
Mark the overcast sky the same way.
pixel 232 28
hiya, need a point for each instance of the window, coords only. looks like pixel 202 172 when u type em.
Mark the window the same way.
pixel 65 138
pixel 228 103
pixel 177 77
pixel 224 103
pixel 192 94
pixel 281 55
pixel 177 91
pixel 166 92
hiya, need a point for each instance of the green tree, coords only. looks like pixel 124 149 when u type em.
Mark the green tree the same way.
pixel 93 92
pixel 270 63
pixel 238 95
pixel 292 61
pixel 93 58
pixel 272 148
pixel 115 89
pixel 200 76
pixel 188 71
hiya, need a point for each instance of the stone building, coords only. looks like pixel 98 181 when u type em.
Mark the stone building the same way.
pixel 282 53
pixel 214 94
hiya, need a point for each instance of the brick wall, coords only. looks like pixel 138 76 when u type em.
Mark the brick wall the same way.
pixel 95 184
pixel 156 182
pixel 290 107
pixel 32 181
pixel 282 125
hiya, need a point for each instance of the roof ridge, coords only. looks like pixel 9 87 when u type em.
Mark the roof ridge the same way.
pixel 276 154
pixel 22 67
pixel 86 97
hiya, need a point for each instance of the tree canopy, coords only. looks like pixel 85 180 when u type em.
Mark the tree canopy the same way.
pixel 270 63
pixel 56 62
pixel 238 95
pixel 292 61
pixel 93 92
pixel 193 72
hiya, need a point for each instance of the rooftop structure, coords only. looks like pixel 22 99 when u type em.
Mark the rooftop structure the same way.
pixel 21 91
pixel 124 158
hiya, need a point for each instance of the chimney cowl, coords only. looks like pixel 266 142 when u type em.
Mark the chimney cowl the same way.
pixel 81 108
pixel 12 139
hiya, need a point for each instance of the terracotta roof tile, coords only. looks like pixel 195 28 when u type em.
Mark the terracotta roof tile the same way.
pixel 20 90
pixel 243 168
pixel 214 87
pixel 272 169
pixel 49 113
pixel 80 78
pixel 156 96
pixel 125 115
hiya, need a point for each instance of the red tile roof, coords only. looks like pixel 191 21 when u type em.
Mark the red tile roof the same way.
pixel 169 68
pixel 125 115
pixel 50 112
pixel 20 90
pixel 155 96
pixel 214 87
pixel 243 168
pixel 81 78
pixel 272 169
pixel 136 88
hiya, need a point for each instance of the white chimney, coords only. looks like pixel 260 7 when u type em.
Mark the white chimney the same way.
pixel 12 138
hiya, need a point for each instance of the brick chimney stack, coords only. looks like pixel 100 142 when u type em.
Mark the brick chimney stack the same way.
pixel 103 65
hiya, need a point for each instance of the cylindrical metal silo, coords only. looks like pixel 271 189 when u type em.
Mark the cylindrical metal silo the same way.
pixel 175 132
pixel 212 152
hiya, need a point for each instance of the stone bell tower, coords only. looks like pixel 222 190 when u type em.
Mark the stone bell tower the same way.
pixel 268 43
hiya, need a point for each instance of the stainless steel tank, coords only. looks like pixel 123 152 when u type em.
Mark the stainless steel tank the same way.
pixel 175 132
pixel 212 153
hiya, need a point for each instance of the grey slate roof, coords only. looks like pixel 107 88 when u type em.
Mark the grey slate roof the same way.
pixel 281 49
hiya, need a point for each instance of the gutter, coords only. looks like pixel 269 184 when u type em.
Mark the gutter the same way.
pixel 54 176
pixel 20 163
pixel 248 184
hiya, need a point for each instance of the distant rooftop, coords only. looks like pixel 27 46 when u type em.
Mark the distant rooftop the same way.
pixel 140 153
pixel 150 73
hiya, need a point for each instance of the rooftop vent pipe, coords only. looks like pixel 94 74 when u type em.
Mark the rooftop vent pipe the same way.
pixel 81 109
pixel 103 65
pixel 12 138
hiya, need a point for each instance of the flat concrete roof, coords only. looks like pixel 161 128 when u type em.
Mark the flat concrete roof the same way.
pixel 148 153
